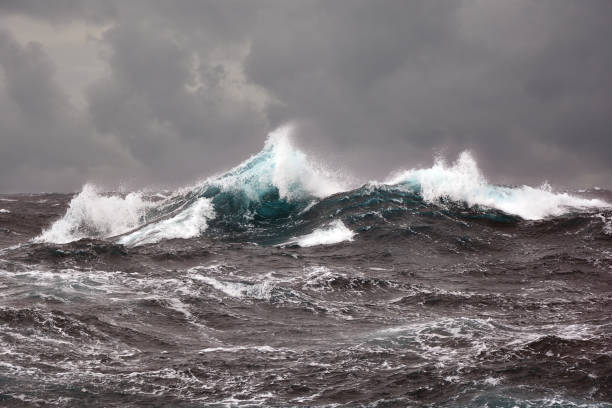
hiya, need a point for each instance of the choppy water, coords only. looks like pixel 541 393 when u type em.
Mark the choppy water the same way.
pixel 275 285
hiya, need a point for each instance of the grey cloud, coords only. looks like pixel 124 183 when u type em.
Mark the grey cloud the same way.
pixel 170 120
pixel 43 136
pixel 192 87
pixel 493 77
pixel 60 11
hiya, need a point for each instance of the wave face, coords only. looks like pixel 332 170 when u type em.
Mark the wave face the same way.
pixel 276 183
pixel 270 198
pixel 280 171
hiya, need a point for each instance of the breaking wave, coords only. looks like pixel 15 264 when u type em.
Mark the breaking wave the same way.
pixel 188 223
pixel 92 214
pixel 275 193
pixel 462 181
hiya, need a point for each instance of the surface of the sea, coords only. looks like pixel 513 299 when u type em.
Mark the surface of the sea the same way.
pixel 274 284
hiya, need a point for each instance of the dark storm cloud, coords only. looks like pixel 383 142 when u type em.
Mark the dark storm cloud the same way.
pixel 148 105
pixel 59 10
pixel 525 85
pixel 192 87
pixel 43 137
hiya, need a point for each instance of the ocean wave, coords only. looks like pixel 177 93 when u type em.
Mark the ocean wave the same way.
pixel 92 214
pixel 463 181
pixel 278 169
pixel 278 188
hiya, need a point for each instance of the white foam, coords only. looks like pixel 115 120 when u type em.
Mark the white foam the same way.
pixel 236 349
pixel 279 164
pixel 188 223
pixel 463 181
pixel 333 233
pixel 425 336
pixel 296 176
pixel 92 214
pixel 260 291
pixel 295 171
pixel 493 381
pixel 4 211
pixel 607 223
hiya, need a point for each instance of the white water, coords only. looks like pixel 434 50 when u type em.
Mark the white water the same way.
pixel 188 223
pixel 463 181
pixel 279 164
pixel 260 291
pixel 236 349
pixel 333 233
pixel 92 214
pixel 4 211
pixel 607 223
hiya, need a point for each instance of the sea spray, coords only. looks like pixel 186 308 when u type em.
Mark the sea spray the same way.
pixel 92 214
pixel 463 182
pixel 281 167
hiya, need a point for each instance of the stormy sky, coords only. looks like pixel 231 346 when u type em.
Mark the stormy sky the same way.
pixel 162 93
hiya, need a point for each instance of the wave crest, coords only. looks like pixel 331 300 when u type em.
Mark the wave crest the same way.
pixel 92 214
pixel 275 189
pixel 463 181
pixel 279 166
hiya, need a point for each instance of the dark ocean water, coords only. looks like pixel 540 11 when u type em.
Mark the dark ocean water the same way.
pixel 246 293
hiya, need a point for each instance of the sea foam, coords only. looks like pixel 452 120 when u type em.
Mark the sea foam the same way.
pixel 188 223
pixel 92 214
pixel 463 181
pixel 279 165
pixel 279 168
pixel 333 233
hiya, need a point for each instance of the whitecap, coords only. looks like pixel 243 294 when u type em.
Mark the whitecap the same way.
pixel 463 181
pixel 92 214
pixel 333 233
pixel 188 223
